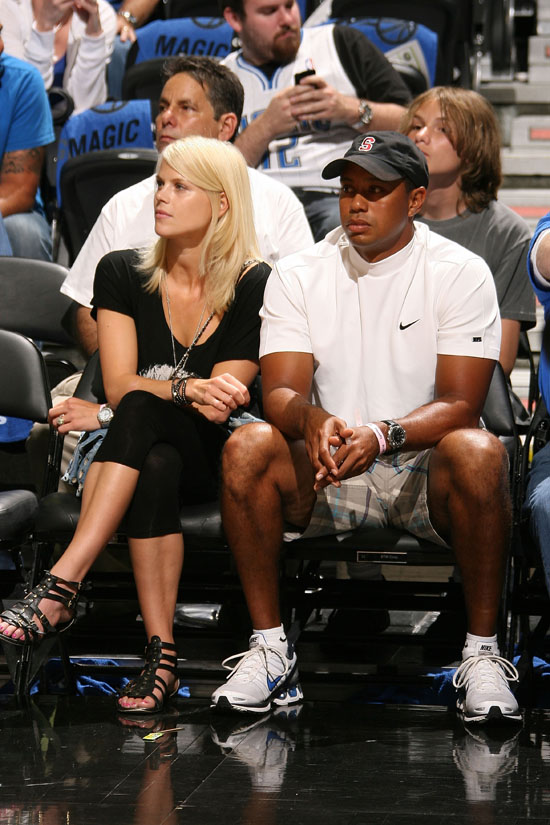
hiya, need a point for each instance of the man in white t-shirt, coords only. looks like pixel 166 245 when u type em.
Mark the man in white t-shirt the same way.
pixel 200 97
pixel 377 349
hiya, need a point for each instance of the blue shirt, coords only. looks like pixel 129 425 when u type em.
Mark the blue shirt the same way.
pixel 543 294
pixel 26 119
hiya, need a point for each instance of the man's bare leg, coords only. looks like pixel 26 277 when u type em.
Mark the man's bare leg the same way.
pixel 469 503
pixel 266 480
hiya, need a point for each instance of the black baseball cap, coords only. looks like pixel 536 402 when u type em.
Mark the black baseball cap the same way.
pixel 386 155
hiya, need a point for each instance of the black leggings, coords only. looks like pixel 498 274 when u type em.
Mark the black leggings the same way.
pixel 177 453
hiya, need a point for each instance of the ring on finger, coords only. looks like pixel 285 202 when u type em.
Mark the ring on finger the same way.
pixel 60 419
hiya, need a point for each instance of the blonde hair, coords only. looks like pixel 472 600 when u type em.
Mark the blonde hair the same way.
pixel 475 136
pixel 216 167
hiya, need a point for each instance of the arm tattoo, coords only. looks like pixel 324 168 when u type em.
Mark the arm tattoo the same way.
pixel 23 161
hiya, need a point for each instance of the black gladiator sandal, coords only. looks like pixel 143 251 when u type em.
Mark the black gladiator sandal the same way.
pixel 24 612
pixel 147 681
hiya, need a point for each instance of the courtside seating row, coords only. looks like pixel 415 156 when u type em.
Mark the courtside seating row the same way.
pixel 51 522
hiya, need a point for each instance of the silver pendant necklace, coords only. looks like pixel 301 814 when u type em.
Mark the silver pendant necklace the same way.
pixel 179 367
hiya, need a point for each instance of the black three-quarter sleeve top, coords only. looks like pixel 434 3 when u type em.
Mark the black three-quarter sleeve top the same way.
pixel 119 286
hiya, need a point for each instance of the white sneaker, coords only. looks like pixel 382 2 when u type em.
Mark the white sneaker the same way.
pixel 482 683
pixel 260 677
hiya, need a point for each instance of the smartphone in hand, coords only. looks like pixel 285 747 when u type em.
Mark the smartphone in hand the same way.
pixel 299 75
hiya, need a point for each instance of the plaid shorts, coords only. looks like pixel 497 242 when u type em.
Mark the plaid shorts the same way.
pixel 393 492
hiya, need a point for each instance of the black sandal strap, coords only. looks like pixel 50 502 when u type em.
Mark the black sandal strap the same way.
pixel 145 684
pixel 24 613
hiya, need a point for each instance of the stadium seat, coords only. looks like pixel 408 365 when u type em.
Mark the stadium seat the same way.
pixel 89 180
pixel 206 36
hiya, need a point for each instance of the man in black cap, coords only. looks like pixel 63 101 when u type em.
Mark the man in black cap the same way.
pixel 377 349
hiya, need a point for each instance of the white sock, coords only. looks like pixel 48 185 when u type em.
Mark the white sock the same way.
pixel 476 645
pixel 274 637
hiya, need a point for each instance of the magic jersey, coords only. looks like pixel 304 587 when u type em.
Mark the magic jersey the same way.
pixel 297 159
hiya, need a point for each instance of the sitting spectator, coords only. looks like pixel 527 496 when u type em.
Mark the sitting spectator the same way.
pixel 25 129
pixel 69 42
pixel 5 246
pixel 179 335
pixel 457 130
pixel 373 411
pixel 307 92
pixel 538 485
pixel 203 97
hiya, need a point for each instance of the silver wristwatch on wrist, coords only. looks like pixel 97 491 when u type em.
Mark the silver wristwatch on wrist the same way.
pixel 396 436
pixel 129 17
pixel 365 116
pixel 105 415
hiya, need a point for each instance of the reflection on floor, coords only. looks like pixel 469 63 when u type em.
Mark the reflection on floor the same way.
pixel 376 740
pixel 72 761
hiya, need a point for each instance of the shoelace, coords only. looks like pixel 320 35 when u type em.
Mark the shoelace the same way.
pixel 246 667
pixel 489 675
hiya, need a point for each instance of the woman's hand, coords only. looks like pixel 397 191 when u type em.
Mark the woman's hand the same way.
pixel 50 13
pixel 88 11
pixel 223 393
pixel 75 414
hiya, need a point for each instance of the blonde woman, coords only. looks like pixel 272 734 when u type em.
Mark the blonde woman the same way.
pixel 178 331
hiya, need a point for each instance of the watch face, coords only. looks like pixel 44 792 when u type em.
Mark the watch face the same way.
pixel 105 415
pixel 396 436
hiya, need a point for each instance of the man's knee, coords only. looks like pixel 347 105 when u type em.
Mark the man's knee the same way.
pixel 473 459
pixel 248 453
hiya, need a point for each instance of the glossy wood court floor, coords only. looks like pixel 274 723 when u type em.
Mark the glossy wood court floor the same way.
pixel 356 751
pixel 71 761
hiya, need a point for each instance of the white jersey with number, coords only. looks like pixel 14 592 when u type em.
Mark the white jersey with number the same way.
pixel 298 158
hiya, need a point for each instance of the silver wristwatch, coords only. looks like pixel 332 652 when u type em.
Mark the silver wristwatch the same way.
pixel 105 415
pixel 396 436
pixel 365 116
pixel 129 17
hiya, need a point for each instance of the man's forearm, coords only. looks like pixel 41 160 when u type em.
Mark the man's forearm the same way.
pixel 253 142
pixel 14 200
pixel 386 116
pixel 289 411
pixel 543 257
pixel 85 330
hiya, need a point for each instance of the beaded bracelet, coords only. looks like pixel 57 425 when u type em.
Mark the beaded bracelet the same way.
pixel 175 391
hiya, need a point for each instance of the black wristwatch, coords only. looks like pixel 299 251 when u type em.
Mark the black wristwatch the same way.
pixel 396 436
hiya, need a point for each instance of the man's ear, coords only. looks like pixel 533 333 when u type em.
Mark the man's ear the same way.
pixel 234 19
pixel 224 204
pixel 227 125
pixel 416 200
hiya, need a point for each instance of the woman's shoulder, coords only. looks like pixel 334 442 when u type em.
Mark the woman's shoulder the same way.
pixel 120 270
pixel 257 272
pixel 123 257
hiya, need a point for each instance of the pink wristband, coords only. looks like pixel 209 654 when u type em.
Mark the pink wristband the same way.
pixel 379 436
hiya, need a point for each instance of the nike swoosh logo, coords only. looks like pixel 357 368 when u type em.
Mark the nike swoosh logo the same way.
pixel 273 684
pixel 406 326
